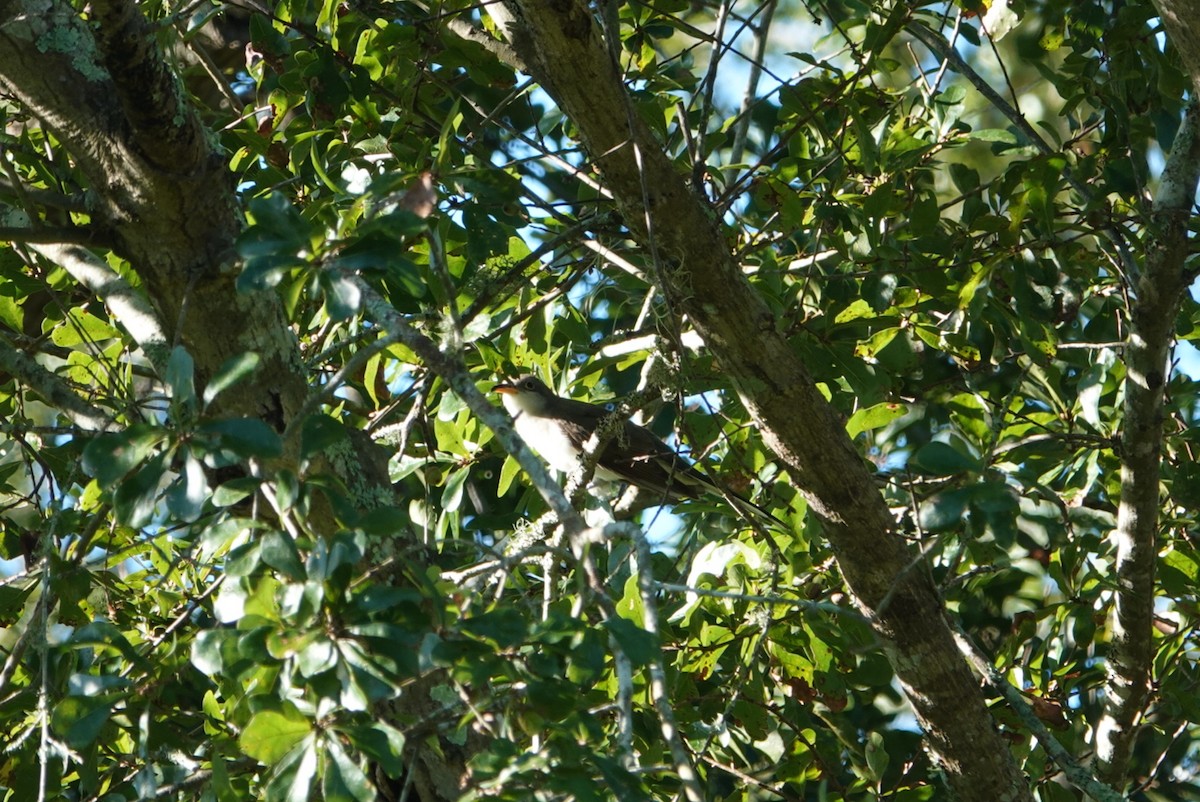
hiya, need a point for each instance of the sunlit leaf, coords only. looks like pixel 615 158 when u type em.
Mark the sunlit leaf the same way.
pixel 232 371
pixel 271 734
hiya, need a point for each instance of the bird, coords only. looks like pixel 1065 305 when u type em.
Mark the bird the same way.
pixel 557 429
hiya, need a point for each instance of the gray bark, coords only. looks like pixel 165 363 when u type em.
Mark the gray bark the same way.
pixel 564 49
pixel 1159 290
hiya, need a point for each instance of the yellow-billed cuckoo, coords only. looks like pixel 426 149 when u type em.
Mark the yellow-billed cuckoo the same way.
pixel 557 429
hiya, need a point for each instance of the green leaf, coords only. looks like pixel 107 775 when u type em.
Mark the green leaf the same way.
pixel 185 497
pixel 941 459
pixel 294 777
pixel 110 456
pixel 81 327
pixel 874 417
pixel 213 650
pixel 1000 135
pixel 317 656
pixel 857 310
pixel 246 437
pixel 279 551
pixel 1185 486
pixel 271 734
pixel 382 743
pixel 944 511
pixel 180 378
pixel 320 433
pixel 264 272
pixel 504 626
pixel 287 489
pixel 277 229
pixel 12 599
pixel 969 414
pixel 639 646
pixel 870 347
pixel 343 297
pixel 12 314
pixel 232 371
pixel 235 490
pixel 877 756
pixel 135 497
pixel 344 780
pixel 79 721
pixel 103 635
pixel 384 521
pixel 1186 564
pixel 452 493
pixel 243 560
pixel 508 472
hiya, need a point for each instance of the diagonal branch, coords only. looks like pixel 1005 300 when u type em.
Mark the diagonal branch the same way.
pixel 562 45
pixel 76 235
pixel 455 374
pixel 129 307
pixel 51 388
pixel 1075 773
pixel 1160 290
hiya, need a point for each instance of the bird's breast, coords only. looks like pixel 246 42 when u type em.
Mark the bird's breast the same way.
pixel 549 440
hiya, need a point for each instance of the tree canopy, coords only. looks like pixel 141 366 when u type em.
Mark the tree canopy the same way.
pixel 911 276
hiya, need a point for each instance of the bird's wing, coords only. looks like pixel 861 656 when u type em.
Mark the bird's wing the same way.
pixel 584 416
pixel 639 457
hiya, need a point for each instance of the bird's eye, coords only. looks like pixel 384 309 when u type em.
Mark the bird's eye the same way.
pixel 528 384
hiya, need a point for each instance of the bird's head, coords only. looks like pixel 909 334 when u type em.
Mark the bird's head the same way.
pixel 527 394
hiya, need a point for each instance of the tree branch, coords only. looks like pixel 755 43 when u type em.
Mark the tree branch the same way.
pixel 1076 774
pixel 129 307
pixel 455 374
pixel 149 93
pixel 565 52
pixel 159 186
pixel 42 197
pixel 52 389
pixel 1160 290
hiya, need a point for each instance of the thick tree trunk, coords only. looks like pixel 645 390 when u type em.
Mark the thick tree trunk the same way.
pixel 159 190
pixel 163 196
